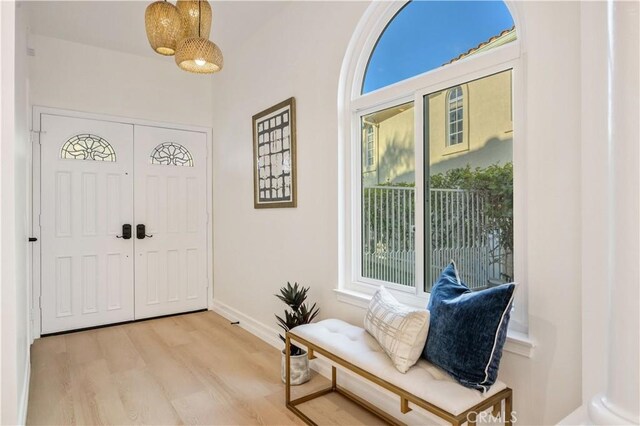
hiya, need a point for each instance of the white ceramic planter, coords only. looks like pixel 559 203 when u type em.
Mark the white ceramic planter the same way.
pixel 299 369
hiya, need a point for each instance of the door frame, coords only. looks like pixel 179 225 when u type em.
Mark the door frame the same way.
pixel 36 278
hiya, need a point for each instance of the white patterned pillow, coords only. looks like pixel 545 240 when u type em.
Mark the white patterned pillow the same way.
pixel 400 330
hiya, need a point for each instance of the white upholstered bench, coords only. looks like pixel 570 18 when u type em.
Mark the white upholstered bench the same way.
pixel 424 385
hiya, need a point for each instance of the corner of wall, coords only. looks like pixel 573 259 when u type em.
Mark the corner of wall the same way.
pixel 23 401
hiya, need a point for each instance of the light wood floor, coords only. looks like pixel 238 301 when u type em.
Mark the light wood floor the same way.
pixel 188 369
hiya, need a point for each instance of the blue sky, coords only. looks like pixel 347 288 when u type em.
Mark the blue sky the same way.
pixel 426 34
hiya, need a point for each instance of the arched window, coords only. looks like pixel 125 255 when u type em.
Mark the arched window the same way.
pixel 171 154
pixel 427 35
pixel 88 147
pixel 455 110
pixel 431 83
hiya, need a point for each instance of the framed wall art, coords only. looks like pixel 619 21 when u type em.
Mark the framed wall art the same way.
pixel 274 156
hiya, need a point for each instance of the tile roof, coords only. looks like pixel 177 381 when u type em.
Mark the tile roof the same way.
pixel 495 40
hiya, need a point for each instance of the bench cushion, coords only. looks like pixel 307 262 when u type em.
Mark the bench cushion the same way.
pixel 424 380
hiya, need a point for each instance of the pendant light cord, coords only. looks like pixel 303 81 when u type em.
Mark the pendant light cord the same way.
pixel 199 18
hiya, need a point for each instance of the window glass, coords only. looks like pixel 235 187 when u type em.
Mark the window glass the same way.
pixel 426 35
pixel 388 203
pixel 470 202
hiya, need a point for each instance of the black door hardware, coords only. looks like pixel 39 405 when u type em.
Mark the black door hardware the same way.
pixel 32 239
pixel 126 232
pixel 141 232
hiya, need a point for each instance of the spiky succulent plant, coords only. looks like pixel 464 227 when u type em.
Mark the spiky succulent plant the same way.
pixel 295 296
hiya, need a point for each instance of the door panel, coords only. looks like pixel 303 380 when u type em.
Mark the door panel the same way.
pixel 86 197
pixel 170 191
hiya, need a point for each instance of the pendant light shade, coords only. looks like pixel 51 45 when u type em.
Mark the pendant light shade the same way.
pixel 164 27
pixel 183 30
pixel 196 18
pixel 199 55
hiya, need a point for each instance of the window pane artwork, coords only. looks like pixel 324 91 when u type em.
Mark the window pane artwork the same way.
pixel 274 148
pixel 171 154
pixel 88 147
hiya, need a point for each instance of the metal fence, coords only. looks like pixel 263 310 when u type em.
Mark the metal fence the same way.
pixel 388 234
pixel 457 231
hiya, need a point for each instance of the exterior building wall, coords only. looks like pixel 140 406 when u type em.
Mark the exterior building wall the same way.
pixel 394 158
pixel 488 126
pixel 487 133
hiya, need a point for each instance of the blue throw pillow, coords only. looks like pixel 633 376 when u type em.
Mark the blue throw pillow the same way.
pixel 468 329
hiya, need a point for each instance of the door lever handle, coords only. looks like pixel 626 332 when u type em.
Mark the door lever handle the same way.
pixel 141 232
pixel 126 232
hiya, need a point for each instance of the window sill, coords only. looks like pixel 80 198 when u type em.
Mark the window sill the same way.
pixel 517 343
pixel 456 149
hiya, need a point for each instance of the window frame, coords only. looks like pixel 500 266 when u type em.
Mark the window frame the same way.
pixel 459 105
pixel 371 147
pixel 352 287
pixel 359 282
pixel 463 145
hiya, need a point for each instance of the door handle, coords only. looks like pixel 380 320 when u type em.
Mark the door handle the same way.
pixel 141 232
pixel 126 232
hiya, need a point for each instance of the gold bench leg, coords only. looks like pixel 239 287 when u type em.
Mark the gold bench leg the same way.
pixel 508 408
pixel 333 377
pixel 497 409
pixel 404 405
pixel 287 369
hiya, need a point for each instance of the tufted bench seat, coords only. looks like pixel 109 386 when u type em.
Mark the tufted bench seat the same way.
pixel 424 385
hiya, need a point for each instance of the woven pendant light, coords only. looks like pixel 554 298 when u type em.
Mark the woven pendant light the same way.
pixel 164 27
pixel 195 15
pixel 198 54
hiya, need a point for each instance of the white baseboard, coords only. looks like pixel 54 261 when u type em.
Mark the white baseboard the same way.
pixel 258 329
pixel 381 398
pixel 23 402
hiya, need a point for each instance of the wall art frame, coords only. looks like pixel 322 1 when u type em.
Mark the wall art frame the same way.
pixel 274 156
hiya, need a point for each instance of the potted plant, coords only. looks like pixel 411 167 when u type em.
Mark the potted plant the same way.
pixel 300 313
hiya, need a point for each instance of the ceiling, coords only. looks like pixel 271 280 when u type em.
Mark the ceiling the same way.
pixel 119 25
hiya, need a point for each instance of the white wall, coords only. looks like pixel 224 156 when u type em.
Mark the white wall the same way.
pixel 8 375
pixel 15 219
pixel 257 251
pixel 90 79
pixel 299 54
pixel 22 206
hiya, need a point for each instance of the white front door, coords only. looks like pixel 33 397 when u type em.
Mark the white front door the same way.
pixel 170 193
pixel 97 176
pixel 86 197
